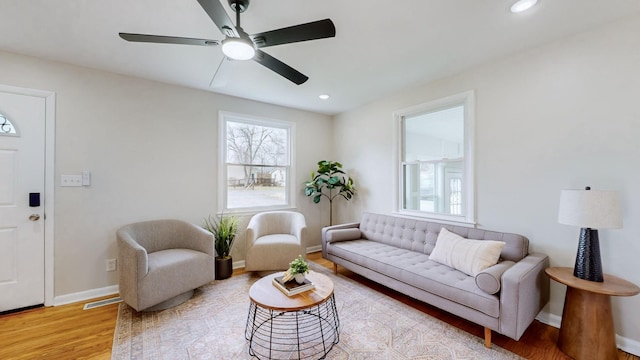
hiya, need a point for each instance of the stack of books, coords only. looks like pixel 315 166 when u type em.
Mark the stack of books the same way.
pixel 291 288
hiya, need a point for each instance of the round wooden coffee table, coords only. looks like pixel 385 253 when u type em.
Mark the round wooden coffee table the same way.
pixel 302 326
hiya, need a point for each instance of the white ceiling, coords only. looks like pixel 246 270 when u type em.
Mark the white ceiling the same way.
pixel 380 46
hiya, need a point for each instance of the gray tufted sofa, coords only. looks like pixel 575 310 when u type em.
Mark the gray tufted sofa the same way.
pixel 394 252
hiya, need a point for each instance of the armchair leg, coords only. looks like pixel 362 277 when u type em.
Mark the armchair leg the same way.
pixel 487 337
pixel 335 268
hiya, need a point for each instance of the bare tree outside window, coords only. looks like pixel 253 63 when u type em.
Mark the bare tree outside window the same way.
pixel 257 160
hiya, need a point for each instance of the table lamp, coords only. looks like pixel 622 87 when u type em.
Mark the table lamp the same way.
pixel 591 210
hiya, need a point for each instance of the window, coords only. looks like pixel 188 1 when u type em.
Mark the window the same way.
pixel 255 163
pixel 435 159
pixel 6 127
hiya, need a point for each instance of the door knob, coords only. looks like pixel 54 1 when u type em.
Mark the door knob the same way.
pixel 34 217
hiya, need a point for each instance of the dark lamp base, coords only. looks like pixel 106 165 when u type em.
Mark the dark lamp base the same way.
pixel 588 264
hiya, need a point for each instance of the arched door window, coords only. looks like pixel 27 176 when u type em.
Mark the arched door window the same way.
pixel 6 127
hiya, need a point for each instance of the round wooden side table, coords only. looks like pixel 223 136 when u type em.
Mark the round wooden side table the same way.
pixel 302 326
pixel 587 330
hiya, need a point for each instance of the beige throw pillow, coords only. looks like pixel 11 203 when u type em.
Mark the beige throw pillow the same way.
pixel 466 255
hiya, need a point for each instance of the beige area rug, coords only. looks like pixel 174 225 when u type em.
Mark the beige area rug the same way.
pixel 211 325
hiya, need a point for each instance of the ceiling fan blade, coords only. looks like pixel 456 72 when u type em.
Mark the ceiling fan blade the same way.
pixel 168 39
pixel 216 12
pixel 223 73
pixel 310 31
pixel 279 67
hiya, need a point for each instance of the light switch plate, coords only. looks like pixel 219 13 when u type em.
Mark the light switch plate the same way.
pixel 71 180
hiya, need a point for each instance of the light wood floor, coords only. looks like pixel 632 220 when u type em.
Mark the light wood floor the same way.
pixel 68 332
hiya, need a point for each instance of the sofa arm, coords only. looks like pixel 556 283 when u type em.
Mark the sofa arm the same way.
pixel 525 291
pixel 325 230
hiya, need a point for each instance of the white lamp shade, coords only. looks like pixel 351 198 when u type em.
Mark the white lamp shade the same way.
pixel 595 209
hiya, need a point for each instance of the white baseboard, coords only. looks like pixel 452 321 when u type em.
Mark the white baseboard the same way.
pixel 625 344
pixel 549 319
pixel 628 345
pixel 238 264
pixel 312 249
pixel 85 295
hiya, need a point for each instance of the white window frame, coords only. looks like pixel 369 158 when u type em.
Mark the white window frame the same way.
pixel 223 118
pixel 467 99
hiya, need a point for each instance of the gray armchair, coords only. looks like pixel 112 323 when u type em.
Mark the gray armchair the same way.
pixel 162 261
pixel 274 239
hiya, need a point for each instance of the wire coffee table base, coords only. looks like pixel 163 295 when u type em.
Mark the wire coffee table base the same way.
pixel 308 333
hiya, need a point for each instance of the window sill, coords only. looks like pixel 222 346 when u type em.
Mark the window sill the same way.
pixel 445 219
pixel 253 211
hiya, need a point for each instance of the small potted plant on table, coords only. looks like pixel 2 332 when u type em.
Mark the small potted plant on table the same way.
pixel 224 233
pixel 297 269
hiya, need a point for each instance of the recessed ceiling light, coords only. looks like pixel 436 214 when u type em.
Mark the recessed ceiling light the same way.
pixel 522 5
pixel 324 96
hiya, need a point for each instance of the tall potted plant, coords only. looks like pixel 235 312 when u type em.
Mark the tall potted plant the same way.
pixel 330 182
pixel 224 234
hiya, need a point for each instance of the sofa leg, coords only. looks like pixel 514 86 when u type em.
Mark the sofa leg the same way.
pixel 335 268
pixel 487 337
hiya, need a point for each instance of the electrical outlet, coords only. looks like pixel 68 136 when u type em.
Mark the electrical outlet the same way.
pixel 111 264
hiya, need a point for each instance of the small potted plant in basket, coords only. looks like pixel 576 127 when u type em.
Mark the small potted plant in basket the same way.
pixel 297 269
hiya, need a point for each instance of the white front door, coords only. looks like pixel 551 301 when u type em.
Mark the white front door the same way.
pixel 22 228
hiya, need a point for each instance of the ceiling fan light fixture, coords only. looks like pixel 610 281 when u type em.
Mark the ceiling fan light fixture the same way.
pixel 522 5
pixel 238 49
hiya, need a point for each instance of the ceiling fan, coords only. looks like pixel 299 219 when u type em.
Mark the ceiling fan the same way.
pixel 238 45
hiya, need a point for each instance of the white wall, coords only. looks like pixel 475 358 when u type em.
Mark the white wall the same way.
pixel 152 152
pixel 561 116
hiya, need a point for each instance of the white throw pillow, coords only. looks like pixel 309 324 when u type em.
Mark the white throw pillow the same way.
pixel 466 255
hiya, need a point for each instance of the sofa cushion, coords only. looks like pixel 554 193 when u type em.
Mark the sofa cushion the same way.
pixel 343 235
pixel 415 269
pixel 171 272
pixel 489 279
pixel 467 255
